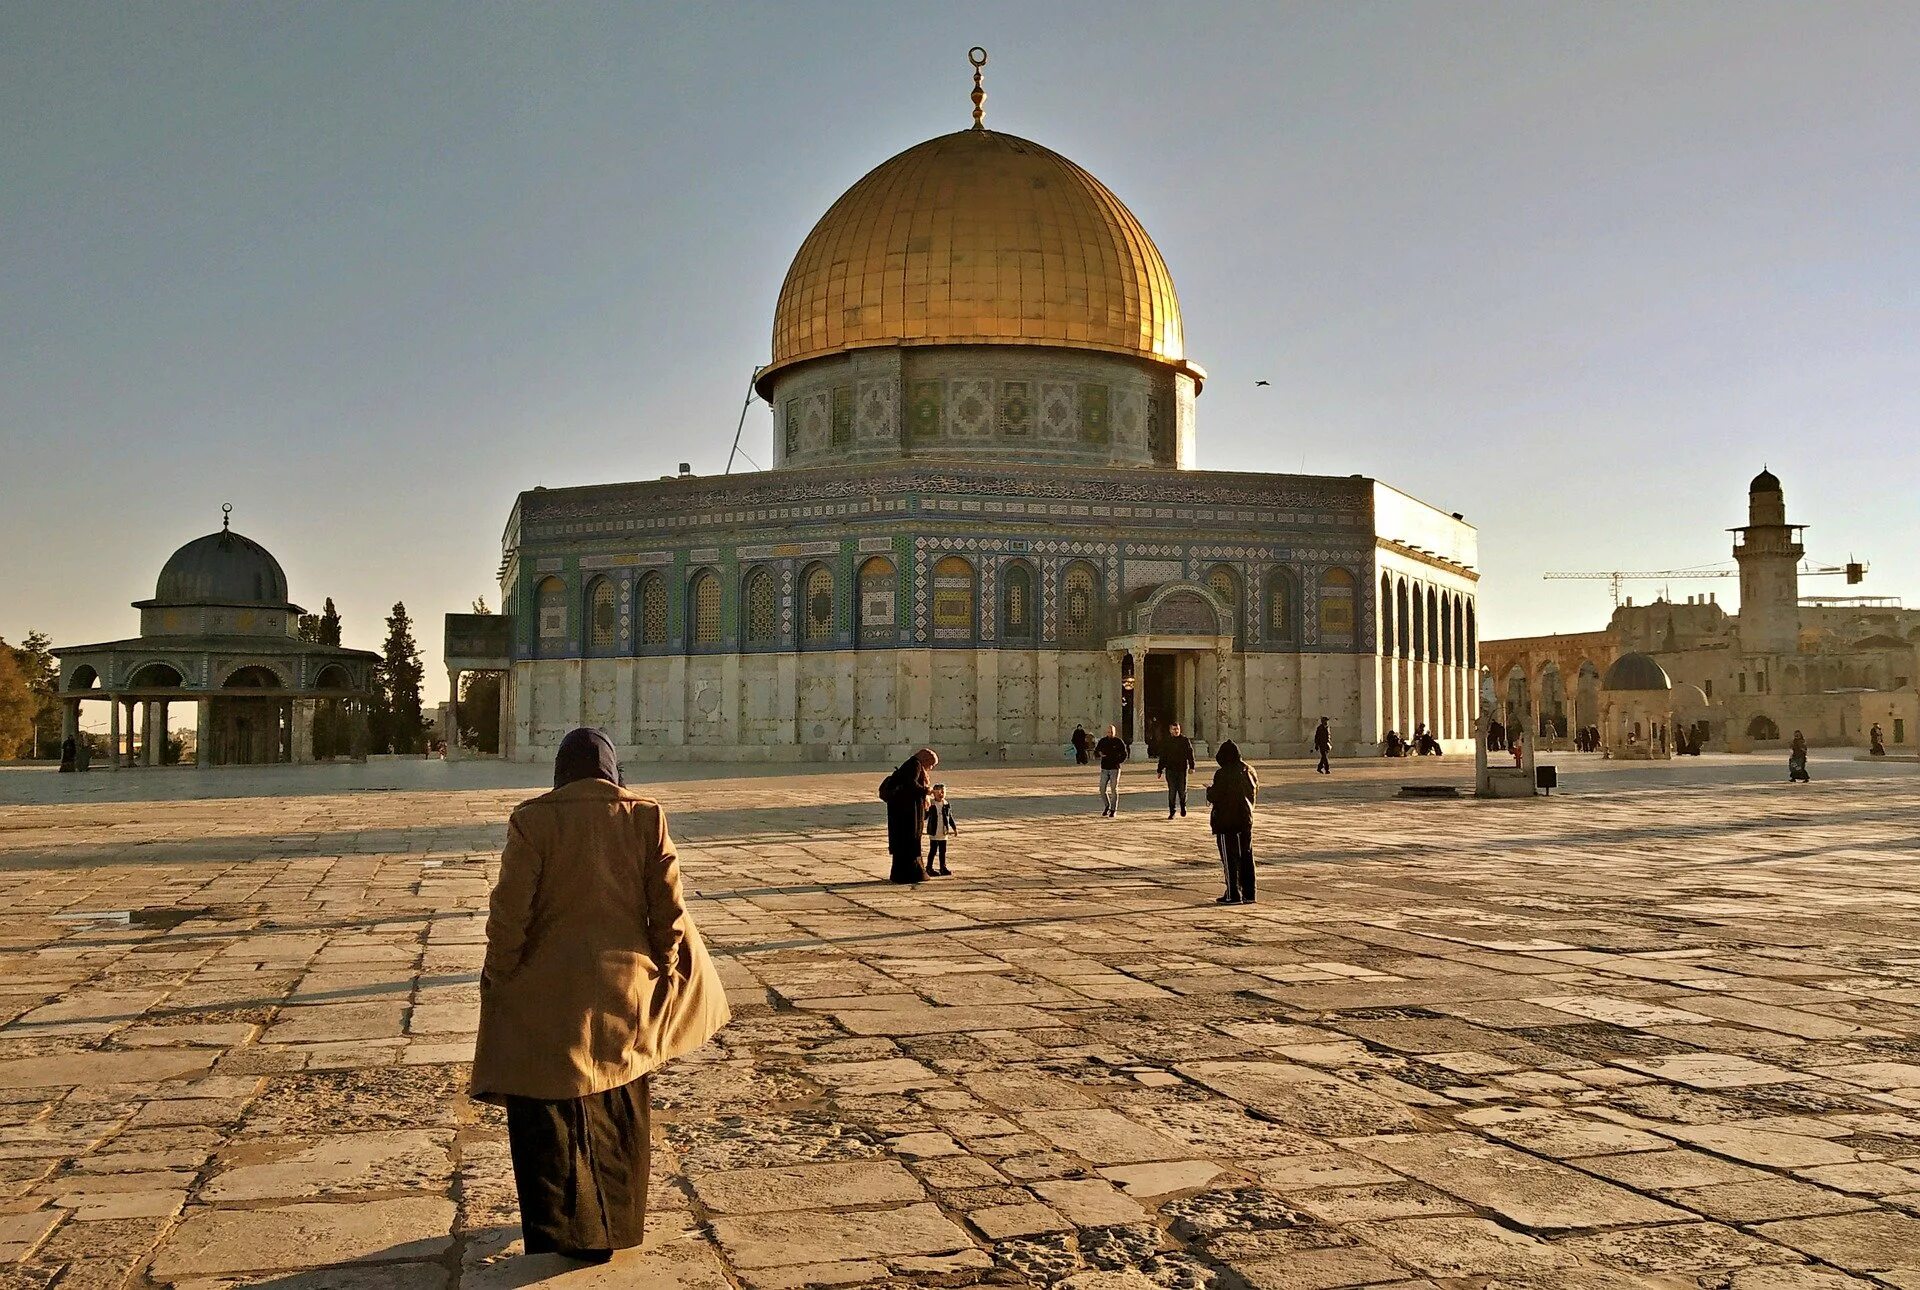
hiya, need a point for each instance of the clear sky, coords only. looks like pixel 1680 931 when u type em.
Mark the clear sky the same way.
pixel 368 270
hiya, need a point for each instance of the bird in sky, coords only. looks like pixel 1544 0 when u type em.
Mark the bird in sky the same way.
pixel 1263 382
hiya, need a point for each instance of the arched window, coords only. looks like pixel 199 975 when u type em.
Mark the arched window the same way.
pixel 1336 609
pixel 1433 624
pixel 878 617
pixel 550 606
pixel 759 608
pixel 1283 609
pixel 952 599
pixel 1762 728
pixel 1016 602
pixel 652 601
pixel 816 595
pixel 1224 582
pixel 1386 615
pixel 1418 636
pixel 1460 632
pixel 703 606
pixel 1446 628
pixel 1473 638
pixel 1403 637
pixel 1080 605
pixel 603 618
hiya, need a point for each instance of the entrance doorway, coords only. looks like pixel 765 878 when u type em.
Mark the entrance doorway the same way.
pixel 1163 698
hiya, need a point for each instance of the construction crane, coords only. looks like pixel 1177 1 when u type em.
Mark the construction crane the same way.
pixel 1853 570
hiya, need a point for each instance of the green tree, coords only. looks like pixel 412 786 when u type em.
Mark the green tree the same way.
pixel 35 655
pixel 400 673
pixel 18 704
pixel 322 628
pixel 480 711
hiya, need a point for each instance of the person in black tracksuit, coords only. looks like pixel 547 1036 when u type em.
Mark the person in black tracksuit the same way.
pixel 1232 794
pixel 1176 759
pixel 940 827
pixel 1323 744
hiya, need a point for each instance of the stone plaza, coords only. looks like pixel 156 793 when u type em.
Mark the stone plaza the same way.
pixel 1658 1030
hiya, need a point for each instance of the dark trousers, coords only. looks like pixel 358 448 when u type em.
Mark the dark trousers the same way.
pixel 936 853
pixel 1323 768
pixel 1080 756
pixel 1236 862
pixel 580 1167
pixel 1176 793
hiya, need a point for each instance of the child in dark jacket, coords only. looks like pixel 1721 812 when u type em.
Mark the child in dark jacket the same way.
pixel 940 827
pixel 1232 793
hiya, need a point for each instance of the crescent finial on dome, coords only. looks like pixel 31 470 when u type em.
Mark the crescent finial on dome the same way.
pixel 978 57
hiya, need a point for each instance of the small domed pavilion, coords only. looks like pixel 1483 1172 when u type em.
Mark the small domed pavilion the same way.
pixel 1637 709
pixel 221 633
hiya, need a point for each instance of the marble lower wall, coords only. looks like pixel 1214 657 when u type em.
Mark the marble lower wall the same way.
pixel 971 704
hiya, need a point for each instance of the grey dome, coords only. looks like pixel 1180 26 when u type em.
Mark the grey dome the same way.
pixel 1636 672
pixel 222 568
pixel 1764 482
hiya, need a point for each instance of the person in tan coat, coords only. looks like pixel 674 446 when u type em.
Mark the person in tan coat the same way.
pixel 595 975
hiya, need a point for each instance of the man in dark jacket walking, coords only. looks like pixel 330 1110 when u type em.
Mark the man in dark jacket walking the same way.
pixel 905 792
pixel 1176 759
pixel 1112 751
pixel 1231 819
pixel 1323 744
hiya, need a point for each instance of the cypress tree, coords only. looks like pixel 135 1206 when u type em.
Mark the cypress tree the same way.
pixel 401 672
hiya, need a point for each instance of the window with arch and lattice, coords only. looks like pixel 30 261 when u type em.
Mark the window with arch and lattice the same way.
pixel 816 595
pixel 762 608
pixel 705 603
pixel 653 609
pixel 952 599
pixel 603 618
pixel 1080 606
pixel 1016 602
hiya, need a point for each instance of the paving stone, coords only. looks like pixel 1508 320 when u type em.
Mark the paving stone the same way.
pixel 1304 1098
pixel 405 1160
pixel 762 1191
pixel 1874 1241
pixel 781 1240
pixel 1102 1137
pixel 305 1236
pixel 1531 1192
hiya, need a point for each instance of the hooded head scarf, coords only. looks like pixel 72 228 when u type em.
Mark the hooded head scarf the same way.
pixel 585 754
pixel 1229 754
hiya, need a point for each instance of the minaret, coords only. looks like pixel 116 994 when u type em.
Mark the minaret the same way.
pixel 1769 553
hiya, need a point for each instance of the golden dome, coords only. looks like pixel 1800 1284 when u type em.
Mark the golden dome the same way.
pixel 978 238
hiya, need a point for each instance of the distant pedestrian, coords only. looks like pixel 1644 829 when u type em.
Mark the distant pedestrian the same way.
pixel 67 755
pixel 1797 760
pixel 83 752
pixel 1876 742
pixel 1515 747
pixel 594 976
pixel 1231 819
pixel 1112 752
pixel 1176 759
pixel 1496 737
pixel 1323 745
pixel 905 792
pixel 1081 741
pixel 1392 745
pixel 940 827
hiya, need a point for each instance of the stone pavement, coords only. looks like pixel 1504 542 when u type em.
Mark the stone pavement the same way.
pixel 1660 1030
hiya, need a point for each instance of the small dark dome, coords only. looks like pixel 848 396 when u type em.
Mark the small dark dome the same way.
pixel 222 569
pixel 1636 672
pixel 1764 482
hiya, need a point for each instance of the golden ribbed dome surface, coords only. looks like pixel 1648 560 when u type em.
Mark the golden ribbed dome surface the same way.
pixel 978 237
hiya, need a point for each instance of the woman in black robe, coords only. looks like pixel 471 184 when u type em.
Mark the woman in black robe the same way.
pixel 905 792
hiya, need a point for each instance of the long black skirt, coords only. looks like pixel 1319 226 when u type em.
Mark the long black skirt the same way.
pixel 580 1166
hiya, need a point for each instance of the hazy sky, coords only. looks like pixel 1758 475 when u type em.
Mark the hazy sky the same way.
pixel 368 270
